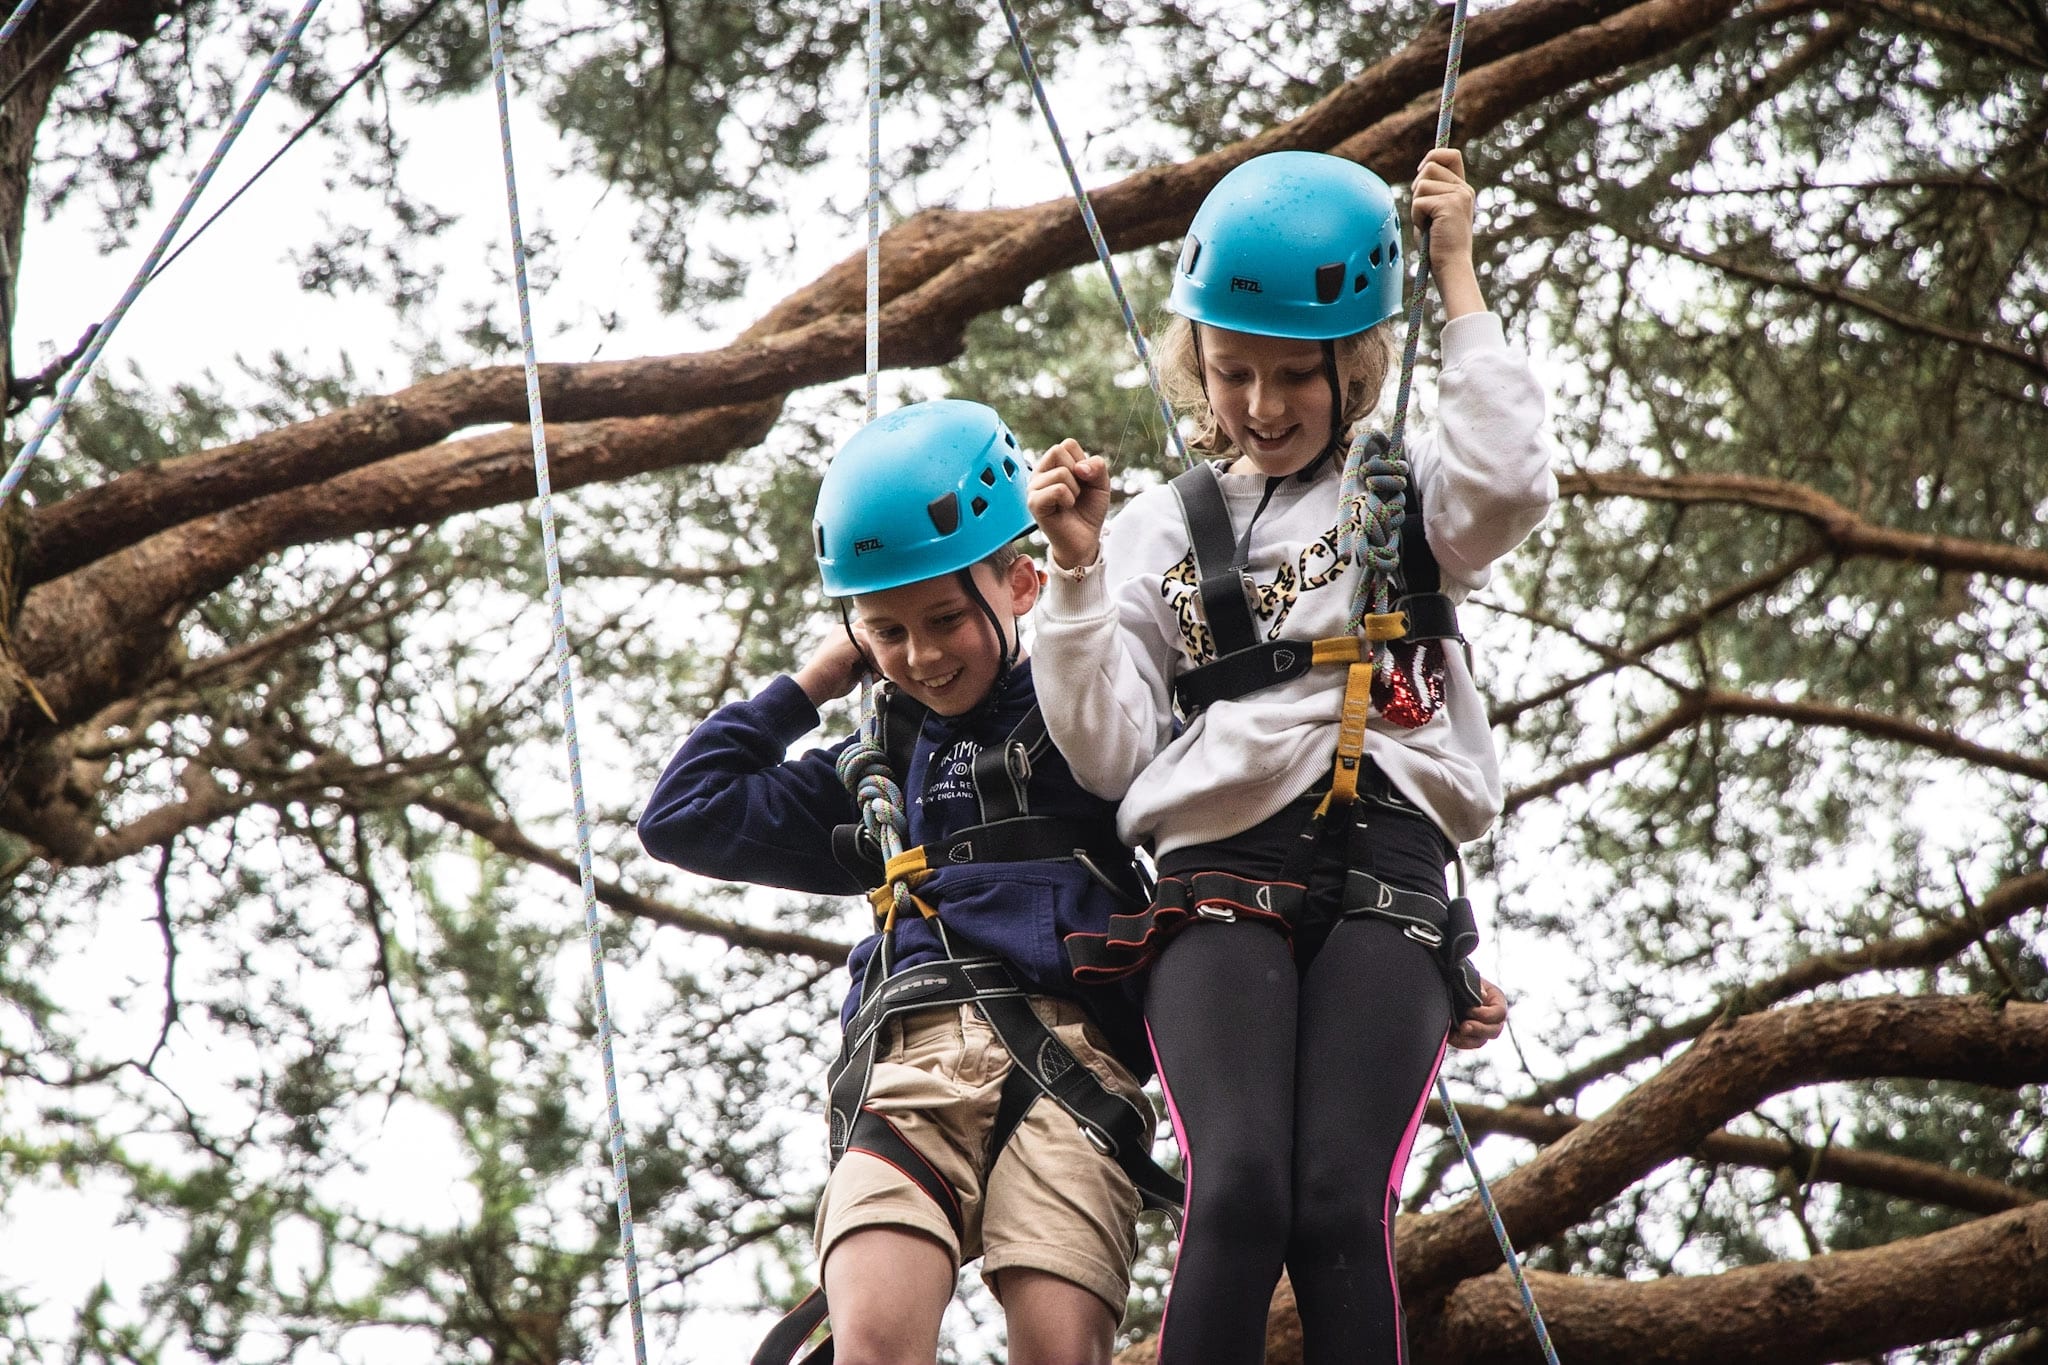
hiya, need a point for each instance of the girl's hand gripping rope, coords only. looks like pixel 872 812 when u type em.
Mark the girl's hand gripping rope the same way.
pixel 1484 1024
pixel 1069 499
pixel 1441 207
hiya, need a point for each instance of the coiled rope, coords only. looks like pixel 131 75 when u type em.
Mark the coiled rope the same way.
pixel 566 686
pixel 67 389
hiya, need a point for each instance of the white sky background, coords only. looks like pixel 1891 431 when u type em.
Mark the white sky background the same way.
pixel 236 294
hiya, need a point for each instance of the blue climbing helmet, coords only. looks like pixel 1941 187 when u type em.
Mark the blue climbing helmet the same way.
pixel 930 489
pixel 1292 244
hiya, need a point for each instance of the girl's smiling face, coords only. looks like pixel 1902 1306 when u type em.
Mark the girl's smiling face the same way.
pixel 1271 396
pixel 931 640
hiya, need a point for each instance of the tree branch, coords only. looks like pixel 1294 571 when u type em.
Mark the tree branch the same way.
pixel 1846 533
pixel 1844 1306
pixel 1729 1071
pixel 1920 1181
pixel 941 269
pixel 507 838
pixel 2005 902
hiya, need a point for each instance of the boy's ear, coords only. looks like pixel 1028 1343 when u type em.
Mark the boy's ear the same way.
pixel 1025 581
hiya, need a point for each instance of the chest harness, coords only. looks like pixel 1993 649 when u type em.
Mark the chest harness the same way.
pixel 1042 1067
pixel 1245 664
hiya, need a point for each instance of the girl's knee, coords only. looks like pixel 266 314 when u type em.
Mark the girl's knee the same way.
pixel 1242 1195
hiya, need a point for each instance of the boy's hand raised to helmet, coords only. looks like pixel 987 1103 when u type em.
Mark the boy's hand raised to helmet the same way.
pixel 1069 499
pixel 1441 208
pixel 832 670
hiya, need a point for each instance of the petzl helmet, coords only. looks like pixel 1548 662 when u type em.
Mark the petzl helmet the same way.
pixel 1292 244
pixel 923 491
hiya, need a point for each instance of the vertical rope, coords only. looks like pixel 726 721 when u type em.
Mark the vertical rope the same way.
pixel 68 388
pixel 14 20
pixel 566 686
pixel 1500 1231
pixel 1374 494
pixel 1116 284
pixel 874 204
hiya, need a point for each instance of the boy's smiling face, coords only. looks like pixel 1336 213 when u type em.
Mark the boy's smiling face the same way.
pixel 934 642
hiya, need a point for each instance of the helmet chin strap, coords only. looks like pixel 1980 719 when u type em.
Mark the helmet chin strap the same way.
pixel 1004 644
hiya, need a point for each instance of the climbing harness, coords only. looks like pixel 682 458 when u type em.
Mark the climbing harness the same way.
pixel 1397 598
pixel 566 687
pixel 1042 1067
pixel 68 388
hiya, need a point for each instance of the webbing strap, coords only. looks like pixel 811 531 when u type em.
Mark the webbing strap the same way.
pixel 1350 737
pixel 1219 560
pixel 566 687
pixel 788 1336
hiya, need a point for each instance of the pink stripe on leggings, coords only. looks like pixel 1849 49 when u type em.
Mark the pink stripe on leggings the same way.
pixel 1400 1168
pixel 1187 1164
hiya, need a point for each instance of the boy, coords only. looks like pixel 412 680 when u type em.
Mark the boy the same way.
pixel 964 1011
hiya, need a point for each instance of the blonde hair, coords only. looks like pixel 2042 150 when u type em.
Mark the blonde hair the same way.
pixel 1363 359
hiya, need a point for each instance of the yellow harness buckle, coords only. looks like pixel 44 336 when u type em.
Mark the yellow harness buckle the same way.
pixel 907 869
pixel 1350 737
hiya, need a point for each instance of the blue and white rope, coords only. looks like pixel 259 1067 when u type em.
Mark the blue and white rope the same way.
pixel 1116 284
pixel 68 388
pixel 874 357
pixel 1374 495
pixel 1500 1230
pixel 14 20
pixel 566 685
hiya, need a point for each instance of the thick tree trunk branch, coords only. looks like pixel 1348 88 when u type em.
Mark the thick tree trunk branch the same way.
pixel 1729 1071
pixel 1844 532
pixel 2006 901
pixel 508 839
pixel 1904 1178
pixel 941 270
pixel 1845 1306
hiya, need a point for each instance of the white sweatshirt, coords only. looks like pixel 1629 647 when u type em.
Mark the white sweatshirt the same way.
pixel 1109 645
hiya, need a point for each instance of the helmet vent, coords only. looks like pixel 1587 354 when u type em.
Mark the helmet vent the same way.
pixel 945 513
pixel 1189 254
pixel 980 504
pixel 1358 285
pixel 818 538
pixel 1375 256
pixel 988 476
pixel 1009 467
pixel 1329 282
pixel 1393 253
pixel 1009 439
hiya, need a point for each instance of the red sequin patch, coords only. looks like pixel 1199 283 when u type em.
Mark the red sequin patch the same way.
pixel 1394 689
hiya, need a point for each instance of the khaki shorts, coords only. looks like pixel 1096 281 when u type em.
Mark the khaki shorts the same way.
pixel 1052 1203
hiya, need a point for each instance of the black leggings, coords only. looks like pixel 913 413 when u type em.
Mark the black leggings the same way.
pixel 1295 1078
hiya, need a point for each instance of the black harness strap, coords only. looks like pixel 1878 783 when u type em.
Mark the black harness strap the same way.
pixel 1449 930
pixel 788 1336
pixel 1220 559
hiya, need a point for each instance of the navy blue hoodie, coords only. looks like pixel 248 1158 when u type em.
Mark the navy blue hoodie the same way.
pixel 731 806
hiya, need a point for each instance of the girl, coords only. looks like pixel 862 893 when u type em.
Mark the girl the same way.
pixel 1297 1002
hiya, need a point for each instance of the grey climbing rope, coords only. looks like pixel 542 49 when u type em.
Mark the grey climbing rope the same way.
pixel 565 685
